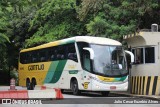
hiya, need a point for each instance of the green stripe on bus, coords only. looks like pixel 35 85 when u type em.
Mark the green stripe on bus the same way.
pixel 58 71
pixel 123 78
pixel 51 71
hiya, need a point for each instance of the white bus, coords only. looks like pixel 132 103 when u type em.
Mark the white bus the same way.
pixel 80 63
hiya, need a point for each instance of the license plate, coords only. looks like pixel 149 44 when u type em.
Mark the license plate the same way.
pixel 112 87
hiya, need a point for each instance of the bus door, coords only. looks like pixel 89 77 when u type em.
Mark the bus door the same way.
pixel 86 62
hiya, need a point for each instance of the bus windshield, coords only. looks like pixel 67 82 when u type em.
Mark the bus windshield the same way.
pixel 109 60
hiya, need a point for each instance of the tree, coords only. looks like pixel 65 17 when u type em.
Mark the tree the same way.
pixel 89 6
pixel 115 18
pixel 3 25
pixel 56 19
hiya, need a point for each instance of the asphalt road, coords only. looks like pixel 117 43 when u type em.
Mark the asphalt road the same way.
pixel 96 98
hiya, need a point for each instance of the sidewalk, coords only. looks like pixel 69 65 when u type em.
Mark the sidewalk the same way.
pixel 126 93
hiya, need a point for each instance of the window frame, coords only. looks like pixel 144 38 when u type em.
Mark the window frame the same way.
pixel 68 46
pixel 144 49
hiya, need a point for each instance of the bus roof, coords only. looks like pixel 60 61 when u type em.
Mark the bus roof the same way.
pixel 88 39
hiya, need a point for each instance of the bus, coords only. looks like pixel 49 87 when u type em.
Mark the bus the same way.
pixel 80 63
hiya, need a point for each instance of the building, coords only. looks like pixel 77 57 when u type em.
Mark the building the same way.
pixel 145 71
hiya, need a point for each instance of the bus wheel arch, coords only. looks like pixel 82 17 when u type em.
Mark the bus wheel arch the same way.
pixel 74 86
pixel 28 82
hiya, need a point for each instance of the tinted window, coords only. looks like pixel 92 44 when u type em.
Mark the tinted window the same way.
pixel 83 56
pixel 149 55
pixel 71 52
pixel 52 52
pixel 62 52
pixel 42 55
pixel 34 56
pixel 86 61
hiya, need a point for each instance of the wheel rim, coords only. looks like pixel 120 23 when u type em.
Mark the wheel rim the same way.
pixel 74 87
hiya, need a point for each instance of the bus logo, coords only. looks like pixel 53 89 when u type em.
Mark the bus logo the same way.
pixel 36 67
pixel 85 85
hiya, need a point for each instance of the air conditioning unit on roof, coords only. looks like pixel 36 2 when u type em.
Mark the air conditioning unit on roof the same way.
pixel 154 28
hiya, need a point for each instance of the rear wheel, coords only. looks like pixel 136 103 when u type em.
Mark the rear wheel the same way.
pixel 74 87
pixel 105 93
pixel 32 85
pixel 28 84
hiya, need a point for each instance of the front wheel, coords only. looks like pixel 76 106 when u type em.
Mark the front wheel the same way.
pixel 74 87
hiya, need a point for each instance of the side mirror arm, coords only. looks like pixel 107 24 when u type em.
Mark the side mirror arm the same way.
pixel 91 52
pixel 131 54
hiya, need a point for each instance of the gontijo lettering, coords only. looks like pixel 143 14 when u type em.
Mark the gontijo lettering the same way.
pixel 36 67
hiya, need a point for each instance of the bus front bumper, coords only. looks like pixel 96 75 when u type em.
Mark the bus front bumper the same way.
pixel 110 86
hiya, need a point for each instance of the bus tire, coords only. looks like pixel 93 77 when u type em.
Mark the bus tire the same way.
pixel 74 87
pixel 28 84
pixel 105 93
pixel 33 83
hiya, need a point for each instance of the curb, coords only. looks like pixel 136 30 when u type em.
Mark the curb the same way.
pixel 140 96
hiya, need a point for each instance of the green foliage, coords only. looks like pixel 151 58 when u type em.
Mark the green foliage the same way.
pixel 55 20
pixel 89 6
pixel 4 59
pixel 3 27
pixel 3 39
pixel 97 27
pixel 116 18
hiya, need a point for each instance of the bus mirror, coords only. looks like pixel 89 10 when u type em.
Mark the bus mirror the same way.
pixel 90 51
pixel 131 55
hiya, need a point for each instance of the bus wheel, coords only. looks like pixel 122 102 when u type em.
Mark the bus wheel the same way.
pixel 28 84
pixel 74 87
pixel 32 85
pixel 105 93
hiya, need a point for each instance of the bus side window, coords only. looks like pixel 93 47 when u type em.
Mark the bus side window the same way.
pixel 86 61
pixel 29 57
pixel 42 56
pixel 26 58
pixel 81 45
pixel 61 53
pixel 52 54
pixel 71 52
pixel 34 56
pixel 22 58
